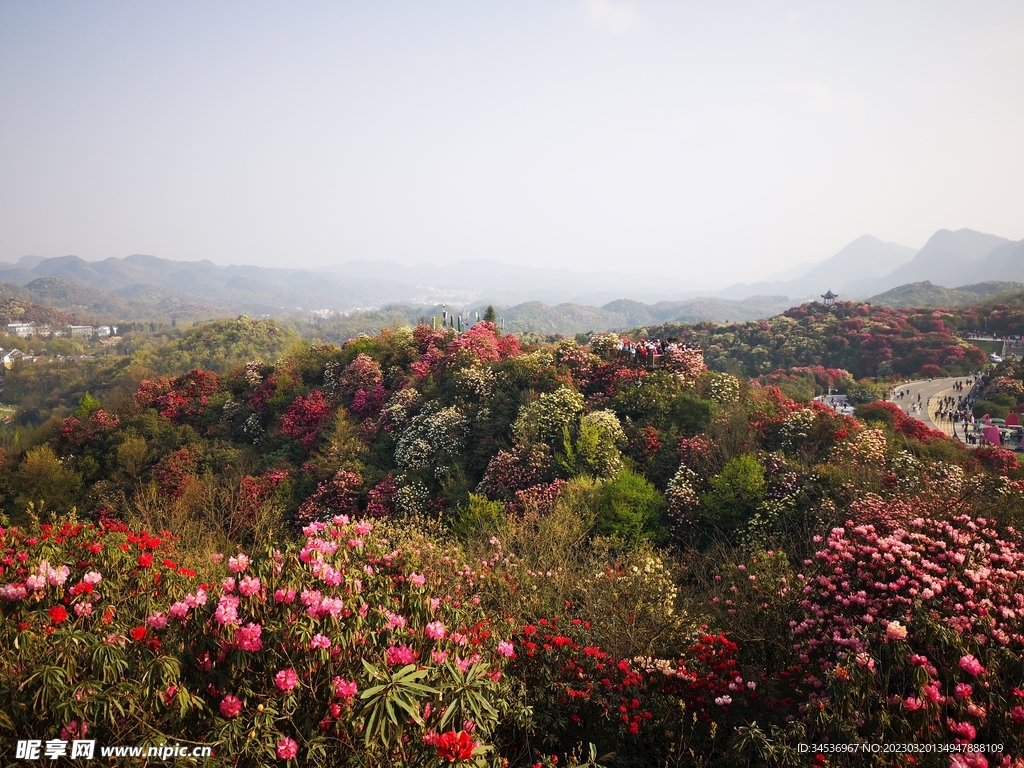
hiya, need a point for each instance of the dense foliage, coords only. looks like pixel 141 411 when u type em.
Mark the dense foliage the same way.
pixel 866 340
pixel 427 547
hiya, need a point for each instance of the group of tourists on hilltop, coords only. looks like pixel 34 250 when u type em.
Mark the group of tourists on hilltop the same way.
pixel 646 350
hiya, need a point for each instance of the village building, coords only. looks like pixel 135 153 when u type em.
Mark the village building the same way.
pixel 22 330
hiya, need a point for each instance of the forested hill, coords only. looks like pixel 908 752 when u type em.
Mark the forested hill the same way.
pixel 926 294
pixel 17 310
pixel 867 340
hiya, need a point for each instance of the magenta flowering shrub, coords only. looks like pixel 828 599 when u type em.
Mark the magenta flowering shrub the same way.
pixel 919 632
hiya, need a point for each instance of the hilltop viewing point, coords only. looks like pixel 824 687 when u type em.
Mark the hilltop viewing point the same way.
pixel 829 298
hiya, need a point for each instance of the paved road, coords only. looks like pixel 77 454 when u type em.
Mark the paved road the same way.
pixel 931 393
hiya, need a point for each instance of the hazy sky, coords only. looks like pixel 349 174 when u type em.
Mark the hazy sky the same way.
pixel 719 140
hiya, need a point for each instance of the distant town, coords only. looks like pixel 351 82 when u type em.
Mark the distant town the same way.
pixel 28 330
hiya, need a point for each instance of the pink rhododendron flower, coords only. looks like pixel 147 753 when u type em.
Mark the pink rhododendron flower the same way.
pixel 506 649
pixel 435 630
pixel 1017 715
pixel 230 706
pixel 287 748
pixel 912 704
pixel 239 563
pixel 14 592
pixel 83 609
pixel 975 760
pixel 362 528
pixel 178 610
pixel 248 638
pixel 157 621
pixel 249 586
pixel 439 657
pixel 35 582
pixel 399 654
pixel 971 665
pixel 963 691
pixel 228 585
pixel 227 610
pixel 331 606
pixel 320 641
pixel 963 730
pixel 286 679
pixel 284 595
pixel 54 576
pixel 344 689
pixel 396 621
pixel 417 579
pixel 92 577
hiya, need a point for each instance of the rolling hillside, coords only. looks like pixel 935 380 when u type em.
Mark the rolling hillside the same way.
pixel 925 294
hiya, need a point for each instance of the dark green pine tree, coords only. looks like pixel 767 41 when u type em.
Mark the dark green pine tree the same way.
pixel 489 315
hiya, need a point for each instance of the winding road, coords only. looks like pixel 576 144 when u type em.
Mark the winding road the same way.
pixel 932 393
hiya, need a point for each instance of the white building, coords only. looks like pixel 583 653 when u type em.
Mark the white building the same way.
pixel 81 330
pixel 24 330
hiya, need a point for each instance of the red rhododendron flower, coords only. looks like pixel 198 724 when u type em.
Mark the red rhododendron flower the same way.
pixel 138 633
pixel 58 614
pixel 145 560
pixel 455 747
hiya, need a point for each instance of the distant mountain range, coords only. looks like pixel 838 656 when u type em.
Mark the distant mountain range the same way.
pixel 541 300
pixel 187 287
pixel 868 266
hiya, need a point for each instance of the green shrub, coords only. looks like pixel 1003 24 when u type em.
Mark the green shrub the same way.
pixel 630 507
pixel 736 493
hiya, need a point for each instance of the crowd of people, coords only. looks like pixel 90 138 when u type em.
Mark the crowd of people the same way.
pixel 952 409
pixel 647 351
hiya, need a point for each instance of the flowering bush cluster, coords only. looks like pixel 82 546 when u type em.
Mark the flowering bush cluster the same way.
pixel 182 399
pixel 920 628
pixel 335 647
pixel 866 340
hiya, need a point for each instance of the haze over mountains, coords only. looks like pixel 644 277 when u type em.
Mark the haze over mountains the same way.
pixel 868 266
pixel 543 300
pixel 341 288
